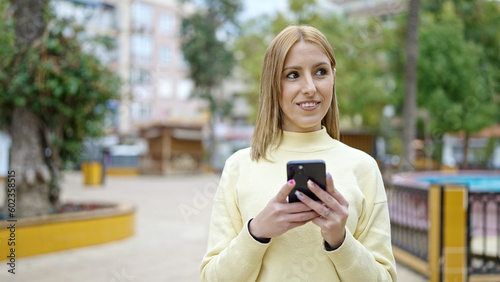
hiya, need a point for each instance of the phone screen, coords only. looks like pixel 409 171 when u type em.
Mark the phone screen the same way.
pixel 301 171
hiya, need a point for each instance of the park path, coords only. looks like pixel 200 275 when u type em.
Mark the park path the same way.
pixel 170 237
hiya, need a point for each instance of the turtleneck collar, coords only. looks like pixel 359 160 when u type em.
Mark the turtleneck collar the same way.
pixel 307 141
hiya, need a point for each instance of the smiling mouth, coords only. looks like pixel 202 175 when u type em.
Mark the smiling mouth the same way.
pixel 308 105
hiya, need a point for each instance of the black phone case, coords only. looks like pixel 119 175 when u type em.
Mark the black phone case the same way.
pixel 301 171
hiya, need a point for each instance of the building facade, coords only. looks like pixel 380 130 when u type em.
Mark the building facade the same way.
pixel 147 55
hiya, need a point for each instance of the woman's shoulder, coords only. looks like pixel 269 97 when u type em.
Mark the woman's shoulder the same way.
pixel 356 155
pixel 237 161
pixel 242 155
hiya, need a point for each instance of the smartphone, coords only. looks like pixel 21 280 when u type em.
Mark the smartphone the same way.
pixel 301 171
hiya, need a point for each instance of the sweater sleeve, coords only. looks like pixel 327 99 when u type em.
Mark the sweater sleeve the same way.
pixel 232 253
pixel 366 254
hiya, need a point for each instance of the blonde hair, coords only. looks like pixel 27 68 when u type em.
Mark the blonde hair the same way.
pixel 268 127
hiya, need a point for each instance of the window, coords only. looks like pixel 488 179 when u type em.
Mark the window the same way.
pixel 142 47
pixel 140 110
pixel 106 17
pixel 166 23
pixel 165 88
pixel 184 89
pixel 142 15
pixel 165 54
pixel 140 77
pixel 88 13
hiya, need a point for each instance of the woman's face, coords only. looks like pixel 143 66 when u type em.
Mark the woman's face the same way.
pixel 306 87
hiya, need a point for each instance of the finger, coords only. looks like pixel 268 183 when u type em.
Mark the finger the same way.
pixel 323 195
pixel 330 187
pixel 282 195
pixel 329 201
pixel 340 198
pixel 303 216
pixel 331 190
pixel 296 207
pixel 320 221
pixel 318 207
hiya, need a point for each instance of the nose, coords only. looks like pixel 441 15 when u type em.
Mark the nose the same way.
pixel 309 88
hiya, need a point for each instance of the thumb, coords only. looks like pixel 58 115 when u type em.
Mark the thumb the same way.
pixel 284 191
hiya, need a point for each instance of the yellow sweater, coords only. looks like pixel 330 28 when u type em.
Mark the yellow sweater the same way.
pixel 298 255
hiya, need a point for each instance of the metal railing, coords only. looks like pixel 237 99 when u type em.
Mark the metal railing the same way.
pixel 408 209
pixel 410 212
pixel 484 233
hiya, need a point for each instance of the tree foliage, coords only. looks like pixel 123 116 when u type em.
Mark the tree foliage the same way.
pixel 53 93
pixel 205 35
pixel 451 83
pixel 457 83
pixel 479 22
pixel 57 80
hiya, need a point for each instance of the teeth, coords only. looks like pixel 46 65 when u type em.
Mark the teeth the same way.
pixel 308 104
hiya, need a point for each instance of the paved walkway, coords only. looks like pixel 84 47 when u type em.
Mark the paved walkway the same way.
pixel 171 232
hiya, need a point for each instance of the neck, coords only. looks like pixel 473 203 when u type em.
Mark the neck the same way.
pixel 306 141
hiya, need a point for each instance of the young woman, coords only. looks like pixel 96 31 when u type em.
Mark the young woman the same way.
pixel 255 233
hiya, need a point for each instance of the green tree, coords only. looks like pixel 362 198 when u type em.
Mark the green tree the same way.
pixel 480 20
pixel 250 48
pixel 204 44
pixel 458 75
pixel 362 80
pixel 206 37
pixel 53 94
pixel 452 85
pixel 303 11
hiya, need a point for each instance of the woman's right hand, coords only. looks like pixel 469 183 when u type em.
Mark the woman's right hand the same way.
pixel 279 216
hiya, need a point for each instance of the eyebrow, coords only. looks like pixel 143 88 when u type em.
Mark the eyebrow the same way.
pixel 299 68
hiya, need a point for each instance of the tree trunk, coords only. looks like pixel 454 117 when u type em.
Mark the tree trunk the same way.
pixel 27 159
pixel 465 161
pixel 410 103
pixel 29 21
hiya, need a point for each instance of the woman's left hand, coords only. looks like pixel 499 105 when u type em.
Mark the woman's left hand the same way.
pixel 333 211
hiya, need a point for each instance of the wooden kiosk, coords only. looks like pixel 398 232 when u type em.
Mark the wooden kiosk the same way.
pixel 173 148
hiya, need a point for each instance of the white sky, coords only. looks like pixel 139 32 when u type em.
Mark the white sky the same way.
pixel 254 8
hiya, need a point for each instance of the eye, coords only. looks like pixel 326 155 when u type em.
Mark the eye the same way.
pixel 321 72
pixel 292 75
